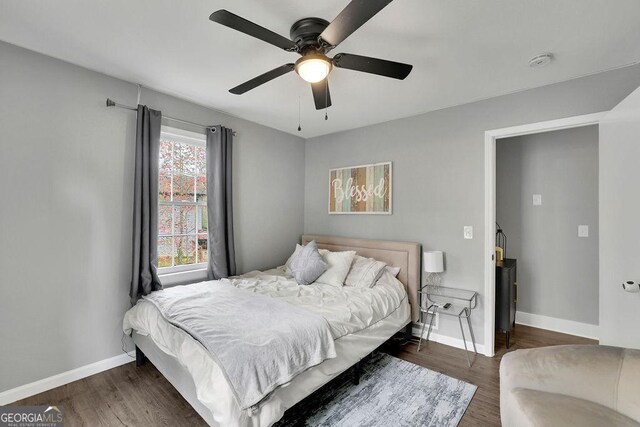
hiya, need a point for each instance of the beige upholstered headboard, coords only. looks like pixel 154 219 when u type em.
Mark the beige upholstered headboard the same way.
pixel 405 255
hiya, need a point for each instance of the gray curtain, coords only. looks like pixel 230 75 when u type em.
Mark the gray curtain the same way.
pixel 144 278
pixel 222 262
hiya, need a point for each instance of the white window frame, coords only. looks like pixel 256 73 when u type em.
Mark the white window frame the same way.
pixel 182 273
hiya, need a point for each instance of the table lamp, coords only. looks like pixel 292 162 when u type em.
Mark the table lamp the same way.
pixel 434 265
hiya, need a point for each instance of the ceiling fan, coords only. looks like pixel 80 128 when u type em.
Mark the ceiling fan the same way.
pixel 313 38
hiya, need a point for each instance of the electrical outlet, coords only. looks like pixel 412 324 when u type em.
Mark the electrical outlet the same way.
pixel 468 232
pixel 583 231
pixel 537 200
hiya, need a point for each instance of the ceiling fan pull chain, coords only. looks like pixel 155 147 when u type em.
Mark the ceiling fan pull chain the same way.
pixel 299 127
pixel 326 97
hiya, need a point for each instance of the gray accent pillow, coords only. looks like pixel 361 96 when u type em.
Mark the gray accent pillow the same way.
pixel 308 265
pixel 364 272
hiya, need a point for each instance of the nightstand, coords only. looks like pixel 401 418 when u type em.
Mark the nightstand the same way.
pixel 461 302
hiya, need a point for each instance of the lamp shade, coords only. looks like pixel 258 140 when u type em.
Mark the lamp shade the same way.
pixel 433 262
pixel 313 67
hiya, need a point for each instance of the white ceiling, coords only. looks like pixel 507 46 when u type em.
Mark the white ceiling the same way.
pixel 462 50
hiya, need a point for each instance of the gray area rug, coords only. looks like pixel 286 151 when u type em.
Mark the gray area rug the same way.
pixel 392 392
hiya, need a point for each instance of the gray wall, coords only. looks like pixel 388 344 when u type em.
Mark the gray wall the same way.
pixel 65 178
pixel 557 270
pixel 439 171
pixel 65 215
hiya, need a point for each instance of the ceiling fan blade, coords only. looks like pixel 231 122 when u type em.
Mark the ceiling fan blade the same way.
pixel 366 64
pixel 350 19
pixel 321 94
pixel 262 79
pixel 238 23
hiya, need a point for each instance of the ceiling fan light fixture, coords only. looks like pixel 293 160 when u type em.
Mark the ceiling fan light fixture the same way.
pixel 313 67
pixel 313 38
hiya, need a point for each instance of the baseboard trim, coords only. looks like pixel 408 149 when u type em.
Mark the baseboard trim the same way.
pixel 27 390
pixel 570 327
pixel 447 340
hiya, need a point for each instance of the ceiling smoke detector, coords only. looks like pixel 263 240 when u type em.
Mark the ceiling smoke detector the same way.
pixel 540 60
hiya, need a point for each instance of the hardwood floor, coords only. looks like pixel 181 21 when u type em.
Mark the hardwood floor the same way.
pixel 123 396
pixel 130 396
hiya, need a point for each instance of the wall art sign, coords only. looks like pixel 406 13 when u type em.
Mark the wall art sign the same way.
pixel 364 189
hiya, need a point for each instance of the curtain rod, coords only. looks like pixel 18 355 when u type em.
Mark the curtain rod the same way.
pixel 112 103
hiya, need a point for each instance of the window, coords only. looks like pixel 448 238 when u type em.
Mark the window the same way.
pixel 182 202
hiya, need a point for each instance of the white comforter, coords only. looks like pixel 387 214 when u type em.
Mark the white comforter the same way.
pixel 347 309
pixel 259 342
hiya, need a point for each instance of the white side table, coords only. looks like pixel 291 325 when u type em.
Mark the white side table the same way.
pixel 461 302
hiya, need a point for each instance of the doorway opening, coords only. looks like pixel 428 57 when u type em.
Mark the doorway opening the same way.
pixel 547 218
pixel 491 140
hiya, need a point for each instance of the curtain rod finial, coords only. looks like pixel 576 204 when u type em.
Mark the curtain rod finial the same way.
pixel 110 103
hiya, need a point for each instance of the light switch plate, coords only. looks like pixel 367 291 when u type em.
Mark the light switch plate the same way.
pixel 468 232
pixel 537 200
pixel 583 231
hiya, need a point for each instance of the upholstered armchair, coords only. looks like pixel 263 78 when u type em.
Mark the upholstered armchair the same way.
pixel 570 385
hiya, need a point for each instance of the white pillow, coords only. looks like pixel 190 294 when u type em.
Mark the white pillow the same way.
pixel 287 264
pixel 364 272
pixel 393 270
pixel 339 264
pixel 387 278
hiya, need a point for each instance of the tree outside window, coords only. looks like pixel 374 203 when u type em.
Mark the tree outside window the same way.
pixel 182 207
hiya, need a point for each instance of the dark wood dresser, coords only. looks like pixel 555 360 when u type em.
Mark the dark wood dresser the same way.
pixel 506 296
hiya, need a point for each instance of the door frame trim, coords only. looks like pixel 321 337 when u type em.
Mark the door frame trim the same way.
pixel 490 138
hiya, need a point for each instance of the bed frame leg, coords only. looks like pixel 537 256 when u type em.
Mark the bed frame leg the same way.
pixel 357 370
pixel 408 332
pixel 140 357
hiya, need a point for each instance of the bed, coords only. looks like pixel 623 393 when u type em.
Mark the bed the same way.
pixel 375 316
